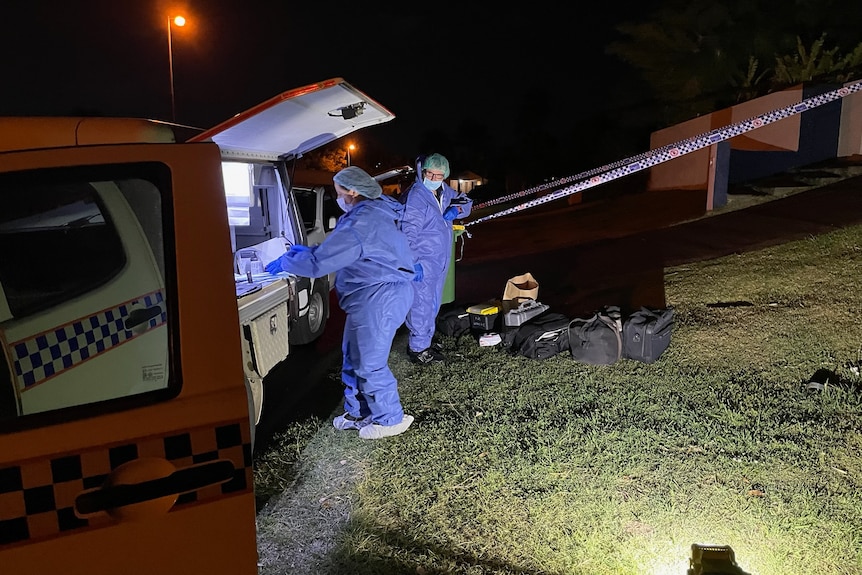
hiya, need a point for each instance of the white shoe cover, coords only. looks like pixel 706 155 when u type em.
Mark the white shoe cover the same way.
pixel 347 421
pixel 376 431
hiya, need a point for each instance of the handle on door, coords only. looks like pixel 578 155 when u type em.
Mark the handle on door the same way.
pixel 141 315
pixel 180 481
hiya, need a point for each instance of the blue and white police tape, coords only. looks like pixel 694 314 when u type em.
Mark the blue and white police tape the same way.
pixel 660 155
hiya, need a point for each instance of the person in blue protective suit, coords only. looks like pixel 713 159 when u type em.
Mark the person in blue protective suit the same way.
pixel 430 208
pixel 374 268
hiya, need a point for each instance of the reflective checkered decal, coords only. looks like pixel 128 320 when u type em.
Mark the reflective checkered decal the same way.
pixel 43 356
pixel 37 498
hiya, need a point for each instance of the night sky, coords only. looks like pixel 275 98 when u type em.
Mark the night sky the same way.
pixel 435 65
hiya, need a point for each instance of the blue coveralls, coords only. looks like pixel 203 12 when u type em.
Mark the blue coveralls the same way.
pixel 430 238
pixel 373 268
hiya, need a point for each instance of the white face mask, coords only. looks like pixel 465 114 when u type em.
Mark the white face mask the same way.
pixel 432 184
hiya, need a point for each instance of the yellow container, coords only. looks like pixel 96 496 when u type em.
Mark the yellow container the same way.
pixel 483 316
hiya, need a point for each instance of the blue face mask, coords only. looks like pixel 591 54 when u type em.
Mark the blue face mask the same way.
pixel 432 184
pixel 345 207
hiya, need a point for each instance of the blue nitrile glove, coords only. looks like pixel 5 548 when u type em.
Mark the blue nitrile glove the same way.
pixel 420 273
pixel 451 213
pixel 273 267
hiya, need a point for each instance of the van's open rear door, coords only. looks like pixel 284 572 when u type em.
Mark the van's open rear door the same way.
pixel 125 435
pixel 296 122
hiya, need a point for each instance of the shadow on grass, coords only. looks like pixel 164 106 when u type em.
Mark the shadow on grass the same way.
pixel 401 544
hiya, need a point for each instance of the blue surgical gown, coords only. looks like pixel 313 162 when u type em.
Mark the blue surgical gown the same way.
pixel 373 267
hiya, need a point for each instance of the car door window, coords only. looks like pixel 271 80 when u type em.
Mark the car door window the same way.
pixel 331 210
pixel 83 303
pixel 56 244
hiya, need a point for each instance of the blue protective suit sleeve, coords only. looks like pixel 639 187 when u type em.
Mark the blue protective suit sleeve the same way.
pixel 338 250
pixel 419 272
pixel 459 200
pixel 274 266
pixel 451 213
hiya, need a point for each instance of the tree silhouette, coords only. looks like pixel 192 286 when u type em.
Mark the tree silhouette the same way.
pixel 701 55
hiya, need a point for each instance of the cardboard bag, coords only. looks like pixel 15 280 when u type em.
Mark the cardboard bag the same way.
pixel 522 286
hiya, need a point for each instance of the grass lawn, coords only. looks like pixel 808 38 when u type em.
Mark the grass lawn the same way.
pixel 554 467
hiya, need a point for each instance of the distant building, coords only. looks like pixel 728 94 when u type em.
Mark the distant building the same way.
pixel 830 130
pixel 465 181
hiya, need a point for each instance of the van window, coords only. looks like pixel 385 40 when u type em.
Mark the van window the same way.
pixel 238 190
pixel 259 208
pixel 331 210
pixel 56 243
pixel 83 299
pixel 306 202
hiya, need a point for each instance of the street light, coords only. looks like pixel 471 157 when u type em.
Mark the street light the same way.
pixel 173 21
pixel 349 148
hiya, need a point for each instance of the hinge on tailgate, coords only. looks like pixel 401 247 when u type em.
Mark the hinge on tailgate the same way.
pixel 246 333
pixel 293 303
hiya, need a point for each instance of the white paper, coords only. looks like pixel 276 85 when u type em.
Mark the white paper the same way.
pixel 254 258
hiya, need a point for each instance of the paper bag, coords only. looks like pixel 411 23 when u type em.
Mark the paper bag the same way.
pixel 523 286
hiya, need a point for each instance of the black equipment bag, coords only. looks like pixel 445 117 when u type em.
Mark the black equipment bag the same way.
pixel 646 334
pixel 541 337
pixel 597 340
pixel 454 322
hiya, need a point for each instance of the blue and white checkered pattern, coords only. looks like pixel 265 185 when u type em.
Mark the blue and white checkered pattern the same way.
pixel 50 353
pixel 666 153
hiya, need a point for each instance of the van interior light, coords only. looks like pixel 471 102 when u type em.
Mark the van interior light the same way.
pixel 238 186
pixel 237 178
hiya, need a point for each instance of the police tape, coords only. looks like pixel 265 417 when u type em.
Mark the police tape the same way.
pixel 642 161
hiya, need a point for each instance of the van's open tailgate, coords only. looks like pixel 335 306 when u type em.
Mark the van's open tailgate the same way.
pixel 296 122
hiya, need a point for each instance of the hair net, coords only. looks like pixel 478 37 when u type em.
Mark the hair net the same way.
pixel 436 162
pixel 358 180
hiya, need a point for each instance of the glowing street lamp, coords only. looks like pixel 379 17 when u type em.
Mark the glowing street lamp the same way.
pixel 349 148
pixel 180 22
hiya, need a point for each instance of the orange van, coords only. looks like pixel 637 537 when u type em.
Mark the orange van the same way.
pixel 130 344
